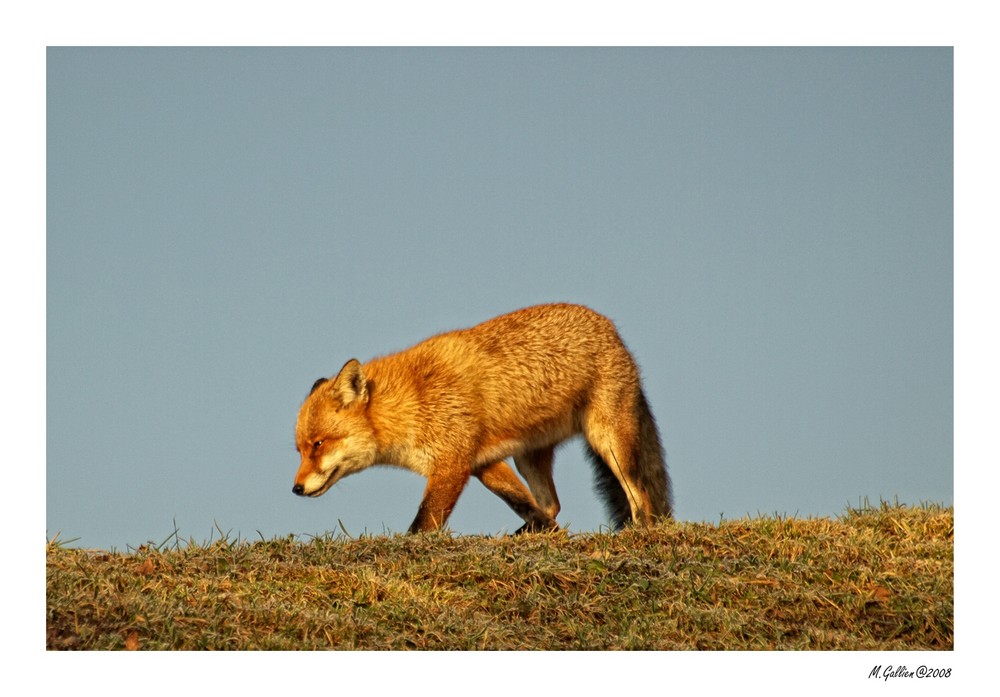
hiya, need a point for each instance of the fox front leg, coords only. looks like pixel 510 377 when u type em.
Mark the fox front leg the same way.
pixel 443 489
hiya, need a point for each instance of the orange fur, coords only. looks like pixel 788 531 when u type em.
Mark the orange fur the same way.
pixel 458 404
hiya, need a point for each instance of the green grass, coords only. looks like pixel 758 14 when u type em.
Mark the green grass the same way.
pixel 874 579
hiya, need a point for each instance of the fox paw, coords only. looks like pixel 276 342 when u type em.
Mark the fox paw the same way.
pixel 537 526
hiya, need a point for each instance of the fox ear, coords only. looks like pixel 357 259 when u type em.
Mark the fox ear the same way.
pixel 350 384
pixel 317 384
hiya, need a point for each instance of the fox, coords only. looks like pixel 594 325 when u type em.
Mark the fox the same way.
pixel 461 403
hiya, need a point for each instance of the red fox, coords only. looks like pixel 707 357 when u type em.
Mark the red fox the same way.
pixel 460 403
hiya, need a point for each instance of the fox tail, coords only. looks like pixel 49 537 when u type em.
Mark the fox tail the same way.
pixel 650 470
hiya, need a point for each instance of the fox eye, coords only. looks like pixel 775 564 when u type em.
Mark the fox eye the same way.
pixel 317 444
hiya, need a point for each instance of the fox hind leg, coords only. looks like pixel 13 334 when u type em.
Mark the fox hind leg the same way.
pixel 615 452
pixel 536 468
pixel 499 478
pixel 609 489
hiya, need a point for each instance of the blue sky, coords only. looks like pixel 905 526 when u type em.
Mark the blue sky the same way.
pixel 771 229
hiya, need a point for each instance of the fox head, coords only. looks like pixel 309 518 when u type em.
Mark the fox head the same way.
pixel 334 435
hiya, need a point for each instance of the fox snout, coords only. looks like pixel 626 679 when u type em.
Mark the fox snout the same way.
pixel 314 478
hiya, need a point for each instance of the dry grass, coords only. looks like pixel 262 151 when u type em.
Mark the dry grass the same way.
pixel 875 579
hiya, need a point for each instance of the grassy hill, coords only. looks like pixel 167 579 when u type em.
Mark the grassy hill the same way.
pixel 874 579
